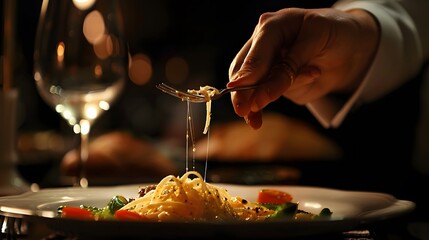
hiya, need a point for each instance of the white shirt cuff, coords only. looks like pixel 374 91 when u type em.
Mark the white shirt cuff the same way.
pixel 388 70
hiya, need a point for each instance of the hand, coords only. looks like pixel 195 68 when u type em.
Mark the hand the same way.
pixel 120 156
pixel 303 55
pixel 289 139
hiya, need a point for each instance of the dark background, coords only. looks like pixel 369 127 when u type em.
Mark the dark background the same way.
pixel 207 34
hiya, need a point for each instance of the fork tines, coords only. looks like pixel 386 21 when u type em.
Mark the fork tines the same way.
pixel 179 94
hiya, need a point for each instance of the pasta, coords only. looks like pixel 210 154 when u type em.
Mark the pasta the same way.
pixel 190 198
pixel 207 92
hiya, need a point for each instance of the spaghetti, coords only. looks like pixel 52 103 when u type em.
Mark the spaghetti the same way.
pixel 190 198
pixel 207 92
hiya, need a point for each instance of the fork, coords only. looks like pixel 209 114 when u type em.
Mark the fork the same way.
pixel 197 98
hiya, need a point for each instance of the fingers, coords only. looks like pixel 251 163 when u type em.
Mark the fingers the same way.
pixel 281 81
pixel 254 119
pixel 239 59
pixel 264 49
pixel 278 81
pixel 304 82
pixel 260 62
pixel 279 60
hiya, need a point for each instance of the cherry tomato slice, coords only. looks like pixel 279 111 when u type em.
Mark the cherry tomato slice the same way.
pixel 128 215
pixel 76 212
pixel 273 196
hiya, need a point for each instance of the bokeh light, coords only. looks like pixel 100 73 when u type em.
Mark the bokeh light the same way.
pixel 83 4
pixel 141 69
pixel 93 27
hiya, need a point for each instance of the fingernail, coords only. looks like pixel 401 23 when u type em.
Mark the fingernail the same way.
pixel 232 83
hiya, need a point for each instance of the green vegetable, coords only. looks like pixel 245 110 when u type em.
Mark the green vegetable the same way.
pixel 326 212
pixel 290 210
pixel 287 210
pixel 106 212
pixel 116 203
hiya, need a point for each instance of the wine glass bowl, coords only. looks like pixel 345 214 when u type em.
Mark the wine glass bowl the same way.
pixel 80 62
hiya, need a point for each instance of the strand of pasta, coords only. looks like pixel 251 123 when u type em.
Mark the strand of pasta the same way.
pixel 208 92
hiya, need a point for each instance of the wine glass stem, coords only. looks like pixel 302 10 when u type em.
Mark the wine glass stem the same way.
pixel 85 128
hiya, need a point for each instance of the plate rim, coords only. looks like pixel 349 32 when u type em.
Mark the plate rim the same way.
pixel 404 205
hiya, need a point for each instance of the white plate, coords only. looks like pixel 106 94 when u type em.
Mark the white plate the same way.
pixel 350 208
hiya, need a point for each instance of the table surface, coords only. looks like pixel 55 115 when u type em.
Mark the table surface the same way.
pixel 402 228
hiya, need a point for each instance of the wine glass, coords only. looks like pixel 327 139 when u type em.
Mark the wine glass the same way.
pixel 80 63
